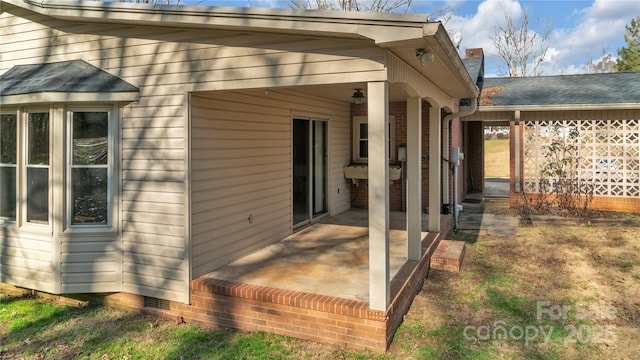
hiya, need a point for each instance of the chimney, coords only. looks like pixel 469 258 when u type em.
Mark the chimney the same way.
pixel 474 53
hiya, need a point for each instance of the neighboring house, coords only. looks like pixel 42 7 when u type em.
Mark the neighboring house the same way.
pixel 143 146
pixel 597 117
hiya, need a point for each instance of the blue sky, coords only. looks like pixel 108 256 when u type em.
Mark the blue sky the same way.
pixel 581 29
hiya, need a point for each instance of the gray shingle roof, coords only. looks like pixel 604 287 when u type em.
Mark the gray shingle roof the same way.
pixel 585 89
pixel 475 69
pixel 67 76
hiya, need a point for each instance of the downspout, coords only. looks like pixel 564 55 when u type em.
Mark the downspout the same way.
pixel 456 162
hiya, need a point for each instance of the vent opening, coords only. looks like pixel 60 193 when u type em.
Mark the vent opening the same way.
pixel 153 302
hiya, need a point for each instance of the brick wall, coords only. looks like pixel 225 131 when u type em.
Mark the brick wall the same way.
pixel 359 192
pixel 475 156
pixel 603 203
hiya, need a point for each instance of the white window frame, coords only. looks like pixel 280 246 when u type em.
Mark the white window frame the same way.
pixel 23 160
pixel 60 164
pixel 112 113
pixel 12 220
pixel 357 120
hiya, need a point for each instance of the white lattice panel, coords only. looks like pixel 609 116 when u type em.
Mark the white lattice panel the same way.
pixel 608 154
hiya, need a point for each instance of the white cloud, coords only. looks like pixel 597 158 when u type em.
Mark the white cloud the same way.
pixel 589 31
pixel 599 27
pixel 478 29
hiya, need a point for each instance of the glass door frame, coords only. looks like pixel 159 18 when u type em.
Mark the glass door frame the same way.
pixel 311 184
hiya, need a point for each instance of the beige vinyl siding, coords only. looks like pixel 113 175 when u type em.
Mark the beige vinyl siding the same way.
pixel 339 157
pixel 90 264
pixel 166 64
pixel 241 167
pixel 26 260
pixel 155 258
pixel 150 258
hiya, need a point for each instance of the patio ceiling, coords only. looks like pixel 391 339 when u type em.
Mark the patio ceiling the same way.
pixel 401 34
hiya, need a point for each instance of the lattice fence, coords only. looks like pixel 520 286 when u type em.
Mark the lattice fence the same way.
pixel 607 154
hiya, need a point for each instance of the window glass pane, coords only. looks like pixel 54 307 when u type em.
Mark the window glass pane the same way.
pixel 90 132
pixel 38 194
pixel 364 149
pixel 89 193
pixel 8 138
pixel 38 131
pixel 364 134
pixel 8 192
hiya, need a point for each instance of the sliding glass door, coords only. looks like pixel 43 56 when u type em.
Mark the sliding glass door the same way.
pixel 310 163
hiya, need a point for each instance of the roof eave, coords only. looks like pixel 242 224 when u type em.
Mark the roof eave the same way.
pixel 399 33
pixel 344 24
pixel 432 37
pixel 564 107
pixel 435 32
pixel 53 97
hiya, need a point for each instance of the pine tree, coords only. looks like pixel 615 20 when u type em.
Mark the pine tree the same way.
pixel 629 57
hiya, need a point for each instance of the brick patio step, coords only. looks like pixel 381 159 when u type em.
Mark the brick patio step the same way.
pixel 448 256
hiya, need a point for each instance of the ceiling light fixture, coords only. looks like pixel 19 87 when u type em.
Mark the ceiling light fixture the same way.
pixel 424 56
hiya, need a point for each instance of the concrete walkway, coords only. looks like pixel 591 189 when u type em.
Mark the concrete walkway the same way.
pixel 496 187
pixel 478 223
pixel 475 221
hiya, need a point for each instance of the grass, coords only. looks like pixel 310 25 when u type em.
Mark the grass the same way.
pixel 35 328
pixel 537 283
pixel 496 158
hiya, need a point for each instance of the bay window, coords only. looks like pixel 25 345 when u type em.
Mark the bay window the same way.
pixel 54 160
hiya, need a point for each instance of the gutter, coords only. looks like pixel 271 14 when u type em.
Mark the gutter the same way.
pixel 456 207
pixel 462 113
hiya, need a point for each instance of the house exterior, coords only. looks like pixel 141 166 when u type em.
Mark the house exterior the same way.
pixel 595 116
pixel 143 146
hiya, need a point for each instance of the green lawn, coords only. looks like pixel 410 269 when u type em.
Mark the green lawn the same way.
pixel 516 284
pixel 496 158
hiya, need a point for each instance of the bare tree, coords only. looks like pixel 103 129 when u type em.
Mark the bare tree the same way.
pixel 166 2
pixel 605 64
pixel 521 49
pixel 351 5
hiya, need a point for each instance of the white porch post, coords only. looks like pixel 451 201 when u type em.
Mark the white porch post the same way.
pixel 378 133
pixel 414 178
pixel 435 124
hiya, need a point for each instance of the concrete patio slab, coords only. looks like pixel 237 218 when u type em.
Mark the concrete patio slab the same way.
pixel 328 258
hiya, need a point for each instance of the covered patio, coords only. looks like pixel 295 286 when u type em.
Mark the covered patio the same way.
pixel 329 258
pixel 314 284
